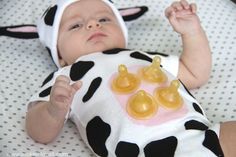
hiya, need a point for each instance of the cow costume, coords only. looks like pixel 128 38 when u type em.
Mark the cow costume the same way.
pixel 101 114
pixel 102 119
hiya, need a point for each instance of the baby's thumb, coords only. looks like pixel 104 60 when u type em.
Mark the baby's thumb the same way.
pixel 77 85
pixel 172 18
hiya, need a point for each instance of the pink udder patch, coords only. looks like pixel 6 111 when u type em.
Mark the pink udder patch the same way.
pixel 162 114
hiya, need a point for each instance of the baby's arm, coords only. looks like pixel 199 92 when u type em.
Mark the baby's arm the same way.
pixel 45 119
pixel 195 61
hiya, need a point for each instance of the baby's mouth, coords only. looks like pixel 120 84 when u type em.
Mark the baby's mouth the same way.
pixel 96 35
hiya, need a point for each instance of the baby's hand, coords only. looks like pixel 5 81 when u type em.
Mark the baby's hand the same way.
pixel 182 16
pixel 61 95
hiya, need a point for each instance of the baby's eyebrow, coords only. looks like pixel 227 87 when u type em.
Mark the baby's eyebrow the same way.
pixel 70 20
pixel 106 12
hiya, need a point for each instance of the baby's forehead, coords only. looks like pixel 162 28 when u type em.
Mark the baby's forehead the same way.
pixel 86 7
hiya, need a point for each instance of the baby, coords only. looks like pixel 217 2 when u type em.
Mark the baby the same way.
pixel 87 43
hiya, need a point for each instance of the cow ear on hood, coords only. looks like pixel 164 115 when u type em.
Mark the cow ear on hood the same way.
pixel 20 31
pixel 29 31
pixel 132 13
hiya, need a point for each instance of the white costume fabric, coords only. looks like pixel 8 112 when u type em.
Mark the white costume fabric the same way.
pixel 109 130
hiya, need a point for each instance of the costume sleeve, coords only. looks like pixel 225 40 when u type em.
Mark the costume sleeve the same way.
pixel 171 64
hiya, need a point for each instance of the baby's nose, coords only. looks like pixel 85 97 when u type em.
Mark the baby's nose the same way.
pixel 93 24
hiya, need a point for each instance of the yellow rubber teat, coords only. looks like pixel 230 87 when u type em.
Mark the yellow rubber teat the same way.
pixel 169 96
pixel 153 73
pixel 141 105
pixel 125 82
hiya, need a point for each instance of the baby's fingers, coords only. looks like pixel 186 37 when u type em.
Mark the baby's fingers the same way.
pixel 61 90
pixel 177 6
pixel 60 95
pixel 185 4
pixel 63 78
pixel 169 11
pixel 76 86
pixel 193 7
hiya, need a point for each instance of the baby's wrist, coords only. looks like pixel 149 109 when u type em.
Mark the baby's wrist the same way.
pixel 193 33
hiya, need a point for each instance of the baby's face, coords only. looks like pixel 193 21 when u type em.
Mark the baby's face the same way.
pixel 88 26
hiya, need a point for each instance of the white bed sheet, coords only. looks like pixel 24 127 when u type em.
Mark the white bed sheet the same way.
pixel 25 63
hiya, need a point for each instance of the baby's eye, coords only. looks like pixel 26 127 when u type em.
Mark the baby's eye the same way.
pixel 104 19
pixel 76 26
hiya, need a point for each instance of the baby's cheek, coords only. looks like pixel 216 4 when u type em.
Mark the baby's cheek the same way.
pixel 119 39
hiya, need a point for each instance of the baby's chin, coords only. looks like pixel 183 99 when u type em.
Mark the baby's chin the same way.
pixel 103 44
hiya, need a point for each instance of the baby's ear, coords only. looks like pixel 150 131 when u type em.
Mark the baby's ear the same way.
pixel 133 13
pixel 20 31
